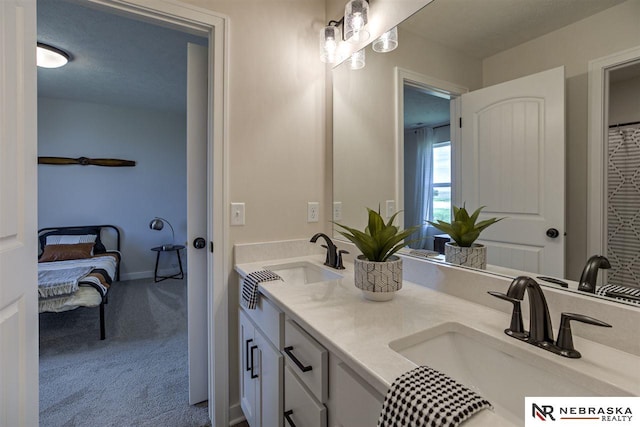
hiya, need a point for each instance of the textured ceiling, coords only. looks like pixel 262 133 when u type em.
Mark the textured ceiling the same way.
pixel 115 60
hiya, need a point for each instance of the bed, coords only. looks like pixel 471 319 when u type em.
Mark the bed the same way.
pixel 76 268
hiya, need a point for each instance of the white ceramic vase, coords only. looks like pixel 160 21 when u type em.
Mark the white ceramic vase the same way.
pixel 474 256
pixel 378 280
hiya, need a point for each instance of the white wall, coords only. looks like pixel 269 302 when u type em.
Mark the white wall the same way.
pixel 607 32
pixel 624 101
pixel 128 197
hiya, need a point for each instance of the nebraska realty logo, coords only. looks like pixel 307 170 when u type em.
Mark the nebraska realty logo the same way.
pixel 582 411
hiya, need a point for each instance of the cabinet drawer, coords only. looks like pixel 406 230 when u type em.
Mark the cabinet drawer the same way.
pixel 268 318
pixel 301 409
pixel 307 358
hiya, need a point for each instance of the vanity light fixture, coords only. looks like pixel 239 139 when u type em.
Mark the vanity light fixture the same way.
pixel 357 60
pixel 356 16
pixel 386 42
pixel 330 38
pixel 51 57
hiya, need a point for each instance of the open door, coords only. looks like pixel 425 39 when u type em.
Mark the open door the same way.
pixel 18 215
pixel 197 208
pixel 512 160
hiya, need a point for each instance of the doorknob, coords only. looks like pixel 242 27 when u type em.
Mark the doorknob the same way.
pixel 553 233
pixel 199 243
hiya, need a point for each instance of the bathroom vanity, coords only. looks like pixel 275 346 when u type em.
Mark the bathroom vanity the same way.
pixel 316 353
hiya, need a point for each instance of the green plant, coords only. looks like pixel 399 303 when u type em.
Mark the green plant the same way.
pixel 378 241
pixel 463 229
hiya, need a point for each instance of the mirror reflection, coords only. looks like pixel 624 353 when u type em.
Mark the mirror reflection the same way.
pixel 413 161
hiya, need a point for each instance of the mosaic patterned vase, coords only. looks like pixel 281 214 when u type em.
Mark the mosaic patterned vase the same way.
pixel 378 280
pixel 474 256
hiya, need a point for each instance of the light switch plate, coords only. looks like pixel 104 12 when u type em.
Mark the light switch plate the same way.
pixel 237 213
pixel 391 208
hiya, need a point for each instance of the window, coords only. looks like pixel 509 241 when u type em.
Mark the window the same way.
pixel 441 182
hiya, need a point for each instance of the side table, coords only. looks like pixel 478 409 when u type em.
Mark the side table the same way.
pixel 167 248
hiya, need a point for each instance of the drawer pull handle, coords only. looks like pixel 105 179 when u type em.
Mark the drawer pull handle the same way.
pixel 287 416
pixel 253 347
pixel 289 351
pixel 246 354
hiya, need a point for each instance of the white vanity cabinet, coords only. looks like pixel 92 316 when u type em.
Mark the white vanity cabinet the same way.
pixel 288 378
pixel 261 367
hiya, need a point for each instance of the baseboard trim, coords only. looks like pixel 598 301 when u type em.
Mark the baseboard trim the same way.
pixel 236 415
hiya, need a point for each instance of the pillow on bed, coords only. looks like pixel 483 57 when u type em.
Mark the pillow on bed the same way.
pixel 65 239
pixel 98 248
pixel 65 252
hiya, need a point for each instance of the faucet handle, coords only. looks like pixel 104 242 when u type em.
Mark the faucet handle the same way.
pixel 516 329
pixel 565 337
pixel 339 265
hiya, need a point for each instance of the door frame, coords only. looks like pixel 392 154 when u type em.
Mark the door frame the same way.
pixel 598 104
pixel 435 87
pixel 215 26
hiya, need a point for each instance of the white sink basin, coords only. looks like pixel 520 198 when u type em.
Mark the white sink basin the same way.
pixel 490 367
pixel 303 272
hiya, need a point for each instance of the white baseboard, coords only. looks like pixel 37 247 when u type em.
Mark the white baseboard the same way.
pixel 136 275
pixel 235 414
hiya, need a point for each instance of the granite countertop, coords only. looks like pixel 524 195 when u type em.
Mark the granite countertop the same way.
pixel 359 331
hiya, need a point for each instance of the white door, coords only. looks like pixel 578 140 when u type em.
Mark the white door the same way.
pixel 512 161
pixel 18 215
pixel 197 269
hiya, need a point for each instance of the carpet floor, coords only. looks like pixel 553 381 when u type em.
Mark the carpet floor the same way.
pixel 137 376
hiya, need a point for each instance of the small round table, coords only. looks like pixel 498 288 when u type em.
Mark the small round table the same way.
pixel 167 248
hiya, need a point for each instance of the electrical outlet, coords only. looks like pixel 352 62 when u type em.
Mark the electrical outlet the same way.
pixel 313 212
pixel 391 208
pixel 337 211
pixel 237 213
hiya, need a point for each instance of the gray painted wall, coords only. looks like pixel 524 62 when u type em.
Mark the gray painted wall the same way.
pixel 128 197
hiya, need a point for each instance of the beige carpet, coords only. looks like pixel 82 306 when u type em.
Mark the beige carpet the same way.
pixel 136 377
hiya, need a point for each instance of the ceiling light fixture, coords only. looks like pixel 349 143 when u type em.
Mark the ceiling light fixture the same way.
pixel 386 42
pixel 356 16
pixel 51 57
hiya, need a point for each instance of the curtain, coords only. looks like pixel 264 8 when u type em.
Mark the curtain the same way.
pixel 421 197
pixel 623 206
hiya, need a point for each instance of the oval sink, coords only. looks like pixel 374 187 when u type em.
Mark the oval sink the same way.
pixel 491 367
pixel 303 272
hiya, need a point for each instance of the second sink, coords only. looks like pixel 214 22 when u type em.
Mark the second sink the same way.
pixel 303 272
pixel 488 366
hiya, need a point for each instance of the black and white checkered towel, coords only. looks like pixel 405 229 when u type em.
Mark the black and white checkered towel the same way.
pixel 424 397
pixel 621 292
pixel 250 287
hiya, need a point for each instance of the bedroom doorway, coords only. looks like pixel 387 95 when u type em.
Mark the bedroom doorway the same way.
pixel 207 24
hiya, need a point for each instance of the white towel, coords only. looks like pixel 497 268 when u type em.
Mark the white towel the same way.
pixel 424 397
pixel 250 287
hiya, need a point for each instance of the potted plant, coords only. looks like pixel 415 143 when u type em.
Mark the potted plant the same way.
pixel 465 231
pixel 378 272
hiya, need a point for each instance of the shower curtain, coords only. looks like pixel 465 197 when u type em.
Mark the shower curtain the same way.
pixel 623 206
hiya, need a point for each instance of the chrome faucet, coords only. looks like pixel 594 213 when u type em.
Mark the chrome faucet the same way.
pixel 589 275
pixel 334 257
pixel 540 331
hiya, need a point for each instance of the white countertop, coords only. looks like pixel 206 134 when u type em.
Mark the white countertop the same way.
pixel 359 331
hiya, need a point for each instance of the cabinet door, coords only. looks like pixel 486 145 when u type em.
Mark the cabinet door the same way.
pixel 248 370
pixel 270 381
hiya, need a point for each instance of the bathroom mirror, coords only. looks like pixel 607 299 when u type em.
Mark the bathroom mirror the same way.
pixel 470 46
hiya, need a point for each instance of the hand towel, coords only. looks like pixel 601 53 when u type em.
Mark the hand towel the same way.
pixel 424 397
pixel 250 287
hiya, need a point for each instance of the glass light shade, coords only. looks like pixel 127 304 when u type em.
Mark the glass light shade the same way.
pixel 357 60
pixel 50 57
pixel 329 40
pixel 356 16
pixel 386 42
